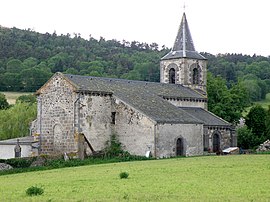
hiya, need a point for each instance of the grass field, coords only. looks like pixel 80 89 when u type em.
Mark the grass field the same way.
pixel 12 96
pixel 209 178
pixel 264 103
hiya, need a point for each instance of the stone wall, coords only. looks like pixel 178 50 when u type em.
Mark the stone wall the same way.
pixel 264 147
pixel 56 115
pixel 167 135
pixel 183 69
pixel 188 102
pixel 134 130
pixel 226 136
pixel 95 119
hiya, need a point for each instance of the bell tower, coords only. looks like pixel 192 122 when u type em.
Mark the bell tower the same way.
pixel 183 64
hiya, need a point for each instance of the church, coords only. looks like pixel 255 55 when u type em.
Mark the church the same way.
pixel 168 119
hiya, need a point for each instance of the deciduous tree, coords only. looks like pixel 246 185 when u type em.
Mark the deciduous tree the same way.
pixel 3 102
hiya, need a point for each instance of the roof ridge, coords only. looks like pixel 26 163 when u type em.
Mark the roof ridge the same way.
pixel 129 81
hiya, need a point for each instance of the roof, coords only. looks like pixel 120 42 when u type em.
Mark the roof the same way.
pixel 146 97
pixel 183 45
pixel 180 54
pixel 110 85
pixel 208 118
pixel 28 140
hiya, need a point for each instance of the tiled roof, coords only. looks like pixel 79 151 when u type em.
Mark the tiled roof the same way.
pixel 180 54
pixel 183 39
pixel 89 83
pixel 143 96
pixel 208 118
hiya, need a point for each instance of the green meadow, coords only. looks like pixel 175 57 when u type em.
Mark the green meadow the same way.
pixel 264 103
pixel 208 178
pixel 12 96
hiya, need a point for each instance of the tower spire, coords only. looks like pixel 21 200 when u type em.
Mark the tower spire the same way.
pixel 183 41
pixel 183 45
pixel 183 64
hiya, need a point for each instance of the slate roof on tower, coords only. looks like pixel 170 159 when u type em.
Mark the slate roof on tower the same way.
pixel 183 45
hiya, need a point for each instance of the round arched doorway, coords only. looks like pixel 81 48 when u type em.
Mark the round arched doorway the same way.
pixel 179 147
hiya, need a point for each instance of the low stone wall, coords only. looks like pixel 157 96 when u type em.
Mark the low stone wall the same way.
pixel 264 147
pixel 4 166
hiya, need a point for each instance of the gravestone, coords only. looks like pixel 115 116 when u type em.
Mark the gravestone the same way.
pixel 18 150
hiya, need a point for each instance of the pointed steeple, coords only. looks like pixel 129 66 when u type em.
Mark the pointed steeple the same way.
pixel 183 45
pixel 183 39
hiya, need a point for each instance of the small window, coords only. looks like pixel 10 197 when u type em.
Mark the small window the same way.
pixel 113 117
pixel 195 76
pixel 172 75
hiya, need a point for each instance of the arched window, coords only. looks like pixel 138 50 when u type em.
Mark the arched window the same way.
pixel 195 76
pixel 172 75
pixel 216 143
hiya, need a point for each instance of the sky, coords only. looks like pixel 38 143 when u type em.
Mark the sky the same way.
pixel 217 26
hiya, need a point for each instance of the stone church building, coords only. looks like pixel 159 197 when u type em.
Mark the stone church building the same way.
pixel 169 118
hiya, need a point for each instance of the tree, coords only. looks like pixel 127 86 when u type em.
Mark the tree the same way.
pixel 12 81
pixel 33 78
pixel 267 124
pixel 256 119
pixel 14 66
pixel 257 128
pixel 26 99
pixel 3 102
pixel 15 121
pixel 254 90
pixel 226 103
pixel 246 139
pixel 30 62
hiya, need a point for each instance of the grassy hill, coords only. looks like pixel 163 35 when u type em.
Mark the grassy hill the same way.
pixel 209 178
pixel 264 103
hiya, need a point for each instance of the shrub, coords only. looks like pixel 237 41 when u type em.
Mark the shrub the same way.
pixel 113 147
pixel 123 175
pixel 3 102
pixel 246 139
pixel 31 99
pixel 20 162
pixel 34 191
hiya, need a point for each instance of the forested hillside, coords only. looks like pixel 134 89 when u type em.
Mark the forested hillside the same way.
pixel 253 72
pixel 28 59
